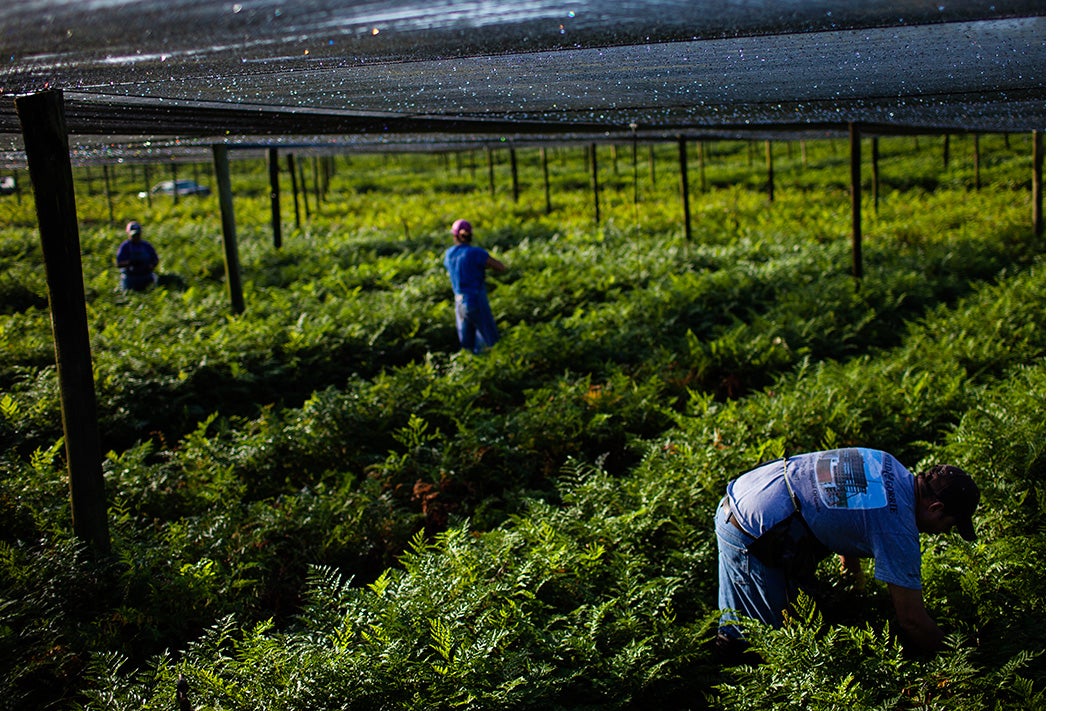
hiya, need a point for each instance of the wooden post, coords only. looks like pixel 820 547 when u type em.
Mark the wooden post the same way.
pixel 803 153
pixel 947 150
pixel 1038 183
pixel 547 187
pixel 651 164
pixel 492 171
pixel 48 154
pixel 148 183
pixel 977 161
pixel 290 160
pixel 769 171
pixel 314 176
pixel 875 173
pixel 683 163
pixel 303 187
pixel 174 178
pixel 514 176
pixel 856 200
pixel 275 195
pixel 595 181
pixel 107 192
pixel 703 176
pixel 229 228
pixel 633 127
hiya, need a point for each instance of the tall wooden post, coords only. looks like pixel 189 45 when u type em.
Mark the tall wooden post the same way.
pixel 856 200
pixel 769 171
pixel 174 180
pixel 229 228
pixel 633 128
pixel 303 187
pixel 514 175
pixel 148 184
pixel 291 161
pixel 492 171
pixel 1038 183
pixel 547 186
pixel 107 192
pixel 315 162
pixel 683 163
pixel 947 150
pixel 875 171
pixel 275 195
pixel 977 161
pixel 703 176
pixel 44 131
pixel 595 181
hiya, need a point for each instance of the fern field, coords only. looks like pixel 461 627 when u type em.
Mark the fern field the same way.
pixel 321 503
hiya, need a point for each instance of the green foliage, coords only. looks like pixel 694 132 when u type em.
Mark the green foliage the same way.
pixel 809 665
pixel 322 504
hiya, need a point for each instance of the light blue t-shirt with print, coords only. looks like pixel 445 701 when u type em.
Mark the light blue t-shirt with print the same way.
pixel 856 501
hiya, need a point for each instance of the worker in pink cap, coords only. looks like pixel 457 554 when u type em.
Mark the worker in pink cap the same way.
pixel 137 260
pixel 466 266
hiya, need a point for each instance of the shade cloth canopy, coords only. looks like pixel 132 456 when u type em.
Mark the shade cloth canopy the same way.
pixel 155 79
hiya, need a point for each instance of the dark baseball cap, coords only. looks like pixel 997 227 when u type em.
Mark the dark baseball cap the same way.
pixel 959 494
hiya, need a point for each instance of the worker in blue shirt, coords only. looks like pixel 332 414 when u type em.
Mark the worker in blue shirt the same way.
pixel 466 265
pixel 137 260
pixel 777 521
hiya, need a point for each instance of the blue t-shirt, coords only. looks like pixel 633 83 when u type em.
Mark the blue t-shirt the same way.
pixel 856 501
pixel 140 255
pixel 466 267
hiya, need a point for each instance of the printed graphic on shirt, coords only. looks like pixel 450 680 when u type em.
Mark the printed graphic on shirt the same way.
pixel 851 479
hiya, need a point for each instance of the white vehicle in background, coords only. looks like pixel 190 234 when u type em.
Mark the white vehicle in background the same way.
pixel 181 187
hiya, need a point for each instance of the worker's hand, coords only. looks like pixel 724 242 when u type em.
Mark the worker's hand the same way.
pixel 852 573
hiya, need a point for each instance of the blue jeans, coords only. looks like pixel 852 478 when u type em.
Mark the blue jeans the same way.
pixel 474 322
pixel 746 587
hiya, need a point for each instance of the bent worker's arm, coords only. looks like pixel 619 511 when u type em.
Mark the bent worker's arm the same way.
pixel 915 621
pixel 851 569
pixel 496 264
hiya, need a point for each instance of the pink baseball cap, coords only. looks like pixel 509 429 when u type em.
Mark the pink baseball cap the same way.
pixel 461 226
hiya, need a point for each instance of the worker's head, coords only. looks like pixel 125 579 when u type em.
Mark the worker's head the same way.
pixel 462 231
pixel 133 229
pixel 947 497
